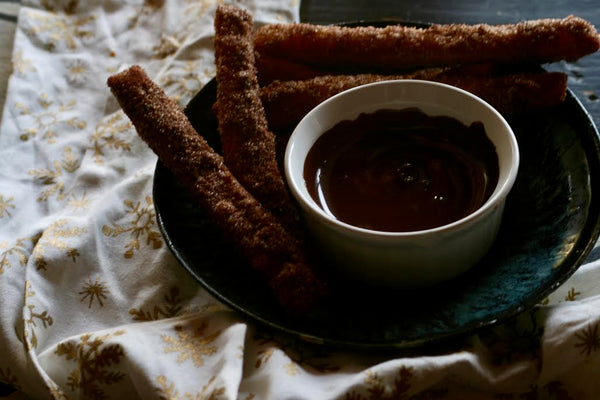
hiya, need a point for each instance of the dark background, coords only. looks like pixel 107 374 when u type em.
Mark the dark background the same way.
pixel 446 11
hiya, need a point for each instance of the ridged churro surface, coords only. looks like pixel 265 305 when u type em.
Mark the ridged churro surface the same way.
pixel 249 147
pixel 286 102
pixel 256 233
pixel 401 47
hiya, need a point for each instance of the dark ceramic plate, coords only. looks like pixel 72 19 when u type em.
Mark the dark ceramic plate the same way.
pixel 550 224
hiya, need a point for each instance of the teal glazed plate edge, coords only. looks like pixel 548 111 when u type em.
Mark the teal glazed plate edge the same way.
pixel 551 223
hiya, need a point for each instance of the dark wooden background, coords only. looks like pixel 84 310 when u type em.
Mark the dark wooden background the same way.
pixel 584 75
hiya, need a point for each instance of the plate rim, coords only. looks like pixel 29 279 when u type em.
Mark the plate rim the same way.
pixel 529 302
pixel 477 324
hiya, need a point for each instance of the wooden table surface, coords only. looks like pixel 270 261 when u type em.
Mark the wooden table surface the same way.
pixel 446 11
pixel 8 22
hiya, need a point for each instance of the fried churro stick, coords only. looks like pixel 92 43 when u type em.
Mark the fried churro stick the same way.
pixel 258 235
pixel 270 69
pixel 513 94
pixel 402 47
pixel 248 146
pixel 287 102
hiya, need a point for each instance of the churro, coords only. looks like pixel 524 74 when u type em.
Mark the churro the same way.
pixel 287 102
pixel 256 233
pixel 270 69
pixel 249 148
pixel 405 47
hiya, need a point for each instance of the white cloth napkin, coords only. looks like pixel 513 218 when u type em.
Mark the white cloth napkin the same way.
pixel 92 303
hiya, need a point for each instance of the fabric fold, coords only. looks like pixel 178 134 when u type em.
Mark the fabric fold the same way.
pixel 94 305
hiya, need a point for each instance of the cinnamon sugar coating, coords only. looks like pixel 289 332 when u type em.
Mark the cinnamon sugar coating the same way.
pixel 404 47
pixel 255 232
pixel 249 148
pixel 286 102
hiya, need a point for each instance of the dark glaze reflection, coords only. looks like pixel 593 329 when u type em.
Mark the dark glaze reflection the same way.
pixel 401 170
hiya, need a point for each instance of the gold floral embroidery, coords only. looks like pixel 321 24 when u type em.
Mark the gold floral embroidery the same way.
pixel 79 201
pixel 588 340
pixel 141 224
pixel 184 82
pixel 107 134
pixel 377 389
pixel 51 117
pixel 52 177
pixel 53 29
pixel 291 369
pixel 78 71
pixel 5 205
pixel 170 308
pixel 198 8
pixel 31 339
pixel 54 237
pixel 170 43
pixel 93 290
pixel 572 295
pixel 167 391
pixel 167 46
pixel 191 344
pixel 21 65
pixel 19 250
pixel 149 7
pixel 263 357
pixel 93 357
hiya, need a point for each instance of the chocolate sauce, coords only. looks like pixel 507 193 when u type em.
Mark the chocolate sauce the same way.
pixel 401 170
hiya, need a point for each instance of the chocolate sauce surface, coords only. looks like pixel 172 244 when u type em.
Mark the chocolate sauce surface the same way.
pixel 401 170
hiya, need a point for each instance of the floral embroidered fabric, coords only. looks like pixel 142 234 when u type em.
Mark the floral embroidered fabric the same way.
pixel 94 305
